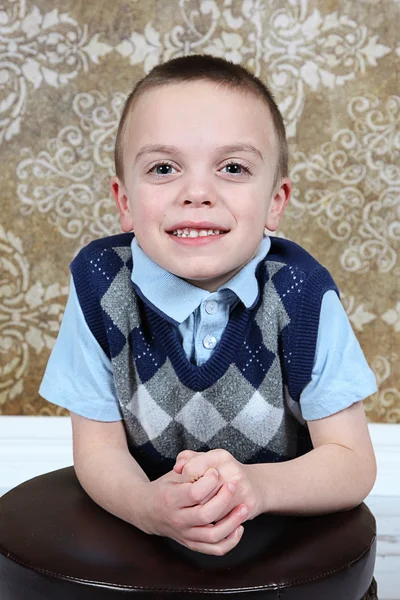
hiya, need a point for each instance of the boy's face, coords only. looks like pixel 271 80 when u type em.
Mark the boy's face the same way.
pixel 201 158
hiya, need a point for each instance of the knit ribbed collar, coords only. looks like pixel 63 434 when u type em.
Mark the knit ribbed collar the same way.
pixel 175 297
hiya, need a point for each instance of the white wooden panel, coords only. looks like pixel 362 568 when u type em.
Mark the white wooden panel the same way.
pixel 30 446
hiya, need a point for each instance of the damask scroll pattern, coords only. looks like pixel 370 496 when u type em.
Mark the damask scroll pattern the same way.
pixel 30 316
pixel 69 181
pixel 38 50
pixel 352 186
pixel 385 404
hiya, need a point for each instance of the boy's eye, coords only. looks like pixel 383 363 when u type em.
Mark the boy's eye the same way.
pixel 236 169
pixel 162 169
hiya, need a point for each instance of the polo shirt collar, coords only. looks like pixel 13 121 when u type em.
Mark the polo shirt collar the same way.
pixel 175 297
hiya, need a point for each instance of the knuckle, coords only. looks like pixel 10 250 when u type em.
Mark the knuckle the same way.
pixel 203 516
pixel 214 537
pixel 185 454
pixel 220 551
pixel 194 495
pixel 241 478
pixel 222 454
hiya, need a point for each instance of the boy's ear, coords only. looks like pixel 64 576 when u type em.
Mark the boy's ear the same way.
pixel 278 204
pixel 122 202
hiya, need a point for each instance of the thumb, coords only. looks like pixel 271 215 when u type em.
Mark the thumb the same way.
pixel 182 459
pixel 178 466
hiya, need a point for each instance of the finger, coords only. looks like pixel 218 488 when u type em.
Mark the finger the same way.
pixel 182 458
pixel 186 454
pixel 191 494
pixel 178 466
pixel 205 487
pixel 195 467
pixel 222 547
pixel 208 498
pixel 213 534
pixel 215 491
pixel 216 508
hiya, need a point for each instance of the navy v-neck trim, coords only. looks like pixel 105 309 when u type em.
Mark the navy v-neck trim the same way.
pixel 201 377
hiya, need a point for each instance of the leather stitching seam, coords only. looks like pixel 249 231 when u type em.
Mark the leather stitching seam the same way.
pixel 188 590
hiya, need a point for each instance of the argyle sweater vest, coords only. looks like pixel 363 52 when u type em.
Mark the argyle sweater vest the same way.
pixel 245 397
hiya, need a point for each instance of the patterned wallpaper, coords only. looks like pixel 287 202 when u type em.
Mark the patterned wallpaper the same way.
pixel 65 70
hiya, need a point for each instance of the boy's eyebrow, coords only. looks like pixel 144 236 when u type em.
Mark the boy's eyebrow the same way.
pixel 242 148
pixel 165 149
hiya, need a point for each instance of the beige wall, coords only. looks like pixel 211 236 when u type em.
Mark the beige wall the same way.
pixel 334 68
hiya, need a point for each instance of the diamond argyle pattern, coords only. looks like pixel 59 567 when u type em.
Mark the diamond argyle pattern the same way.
pixel 247 425
pixel 241 411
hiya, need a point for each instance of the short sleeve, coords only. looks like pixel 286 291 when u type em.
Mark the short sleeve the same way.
pixel 341 375
pixel 79 375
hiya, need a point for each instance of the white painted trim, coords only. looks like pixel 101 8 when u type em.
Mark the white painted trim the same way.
pixel 30 446
pixel 386 441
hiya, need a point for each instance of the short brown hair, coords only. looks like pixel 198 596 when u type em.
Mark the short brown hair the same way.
pixel 209 68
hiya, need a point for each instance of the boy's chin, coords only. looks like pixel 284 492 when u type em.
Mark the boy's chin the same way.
pixel 206 284
pixel 211 283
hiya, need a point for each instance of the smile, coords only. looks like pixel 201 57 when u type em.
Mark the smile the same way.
pixel 194 233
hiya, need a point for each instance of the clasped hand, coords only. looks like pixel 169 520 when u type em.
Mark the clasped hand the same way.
pixel 204 500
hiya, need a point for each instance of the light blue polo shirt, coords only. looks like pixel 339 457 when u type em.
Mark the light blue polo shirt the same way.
pixel 79 375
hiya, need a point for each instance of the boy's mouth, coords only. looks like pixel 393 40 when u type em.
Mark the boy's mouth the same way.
pixel 194 233
pixel 196 229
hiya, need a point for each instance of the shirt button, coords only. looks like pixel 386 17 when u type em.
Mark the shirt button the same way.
pixel 211 307
pixel 209 342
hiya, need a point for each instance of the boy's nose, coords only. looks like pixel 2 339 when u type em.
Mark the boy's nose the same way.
pixel 197 201
pixel 198 196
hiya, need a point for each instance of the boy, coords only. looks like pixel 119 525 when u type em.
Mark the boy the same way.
pixel 210 370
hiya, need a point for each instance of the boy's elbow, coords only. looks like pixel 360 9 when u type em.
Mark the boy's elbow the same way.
pixel 371 472
pixel 364 481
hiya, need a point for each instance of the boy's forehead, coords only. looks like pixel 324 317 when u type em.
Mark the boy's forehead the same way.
pixel 223 110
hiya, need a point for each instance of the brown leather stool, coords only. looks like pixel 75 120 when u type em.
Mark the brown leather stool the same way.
pixel 57 544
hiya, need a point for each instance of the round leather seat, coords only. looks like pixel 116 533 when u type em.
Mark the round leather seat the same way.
pixel 56 543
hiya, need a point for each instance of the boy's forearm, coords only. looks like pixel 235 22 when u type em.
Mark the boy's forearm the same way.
pixel 115 481
pixel 330 478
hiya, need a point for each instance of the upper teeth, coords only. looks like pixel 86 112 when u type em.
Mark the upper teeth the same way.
pixel 193 233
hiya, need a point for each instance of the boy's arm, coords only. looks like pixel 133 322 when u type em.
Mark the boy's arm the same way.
pixel 336 475
pixel 106 470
